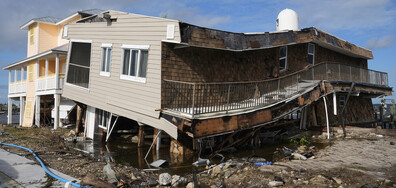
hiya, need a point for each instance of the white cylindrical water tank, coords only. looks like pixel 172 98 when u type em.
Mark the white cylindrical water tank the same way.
pixel 287 20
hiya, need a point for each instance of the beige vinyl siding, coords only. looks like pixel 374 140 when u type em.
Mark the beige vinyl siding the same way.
pixel 137 101
pixel 48 37
pixel 61 40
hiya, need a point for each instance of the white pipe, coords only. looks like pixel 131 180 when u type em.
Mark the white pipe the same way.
pixel 327 118
pixel 335 103
pixel 159 132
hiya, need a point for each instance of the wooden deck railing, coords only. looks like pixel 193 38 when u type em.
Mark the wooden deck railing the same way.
pixel 201 98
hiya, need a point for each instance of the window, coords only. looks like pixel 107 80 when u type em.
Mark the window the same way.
pixel 79 64
pixel 311 54
pixel 134 64
pixel 65 29
pixel 103 118
pixel 31 35
pixel 283 58
pixel 106 60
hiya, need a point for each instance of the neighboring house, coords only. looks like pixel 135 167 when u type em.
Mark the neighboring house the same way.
pixel 37 80
pixel 194 82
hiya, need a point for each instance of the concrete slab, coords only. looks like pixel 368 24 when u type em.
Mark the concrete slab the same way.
pixel 26 172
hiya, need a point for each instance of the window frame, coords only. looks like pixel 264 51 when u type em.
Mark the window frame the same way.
pixel 139 48
pixel 281 58
pixel 107 47
pixel 311 54
pixel 68 64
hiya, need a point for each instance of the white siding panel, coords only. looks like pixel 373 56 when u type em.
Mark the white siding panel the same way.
pixel 137 101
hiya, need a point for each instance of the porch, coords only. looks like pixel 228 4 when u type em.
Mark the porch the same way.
pixel 208 100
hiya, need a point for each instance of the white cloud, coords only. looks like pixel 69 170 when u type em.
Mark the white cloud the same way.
pixel 378 43
pixel 345 14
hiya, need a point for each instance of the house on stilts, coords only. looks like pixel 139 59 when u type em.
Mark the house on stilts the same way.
pixel 193 82
pixel 37 81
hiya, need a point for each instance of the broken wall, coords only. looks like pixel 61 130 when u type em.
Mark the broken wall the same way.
pixel 357 110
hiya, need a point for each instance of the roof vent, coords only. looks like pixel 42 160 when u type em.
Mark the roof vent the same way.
pixel 287 20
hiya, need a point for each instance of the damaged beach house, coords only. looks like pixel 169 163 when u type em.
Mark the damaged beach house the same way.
pixel 196 84
pixel 37 81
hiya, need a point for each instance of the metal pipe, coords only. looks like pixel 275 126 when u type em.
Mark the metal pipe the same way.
pixel 327 118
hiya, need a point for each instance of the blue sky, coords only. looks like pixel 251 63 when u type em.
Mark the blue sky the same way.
pixel 367 23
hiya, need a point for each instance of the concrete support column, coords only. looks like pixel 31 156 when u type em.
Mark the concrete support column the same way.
pixel 57 71
pixel 9 120
pixel 56 118
pixel 37 111
pixel 21 109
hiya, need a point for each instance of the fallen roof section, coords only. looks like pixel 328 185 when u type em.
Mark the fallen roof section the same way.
pixel 59 50
pixel 205 37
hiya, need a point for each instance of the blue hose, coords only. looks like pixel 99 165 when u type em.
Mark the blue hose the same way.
pixel 42 165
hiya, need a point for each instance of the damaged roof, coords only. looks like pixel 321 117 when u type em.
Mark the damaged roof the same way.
pixel 57 21
pixel 205 37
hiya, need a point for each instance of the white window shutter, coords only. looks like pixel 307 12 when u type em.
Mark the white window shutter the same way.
pixel 170 32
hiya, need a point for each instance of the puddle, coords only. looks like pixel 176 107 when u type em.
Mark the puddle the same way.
pixel 127 153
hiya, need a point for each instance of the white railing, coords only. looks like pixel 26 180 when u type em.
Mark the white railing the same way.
pixel 19 87
pixel 48 83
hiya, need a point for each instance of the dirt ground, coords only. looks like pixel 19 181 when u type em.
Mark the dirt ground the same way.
pixel 365 160
pixel 361 160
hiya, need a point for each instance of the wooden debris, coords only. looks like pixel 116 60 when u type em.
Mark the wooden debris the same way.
pixel 91 180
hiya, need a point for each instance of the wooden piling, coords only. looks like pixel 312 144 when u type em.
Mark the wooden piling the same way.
pixel 154 148
pixel 79 118
pixel 141 136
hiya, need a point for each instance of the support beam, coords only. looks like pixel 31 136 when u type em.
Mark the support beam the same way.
pixel 159 141
pixel 57 71
pixel 37 111
pixel 305 118
pixel 9 117
pixel 327 118
pixel 15 75
pixel 342 110
pixel 155 140
pixel 21 109
pixel 315 121
pixel 79 118
pixel 141 135
pixel 334 103
pixel 37 72
pixel 9 77
pixel 56 106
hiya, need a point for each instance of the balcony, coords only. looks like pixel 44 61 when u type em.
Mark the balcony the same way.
pixel 17 87
pixel 49 82
pixel 192 99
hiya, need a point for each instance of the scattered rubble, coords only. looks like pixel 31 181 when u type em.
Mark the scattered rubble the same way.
pixel 322 167
pixel 165 179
